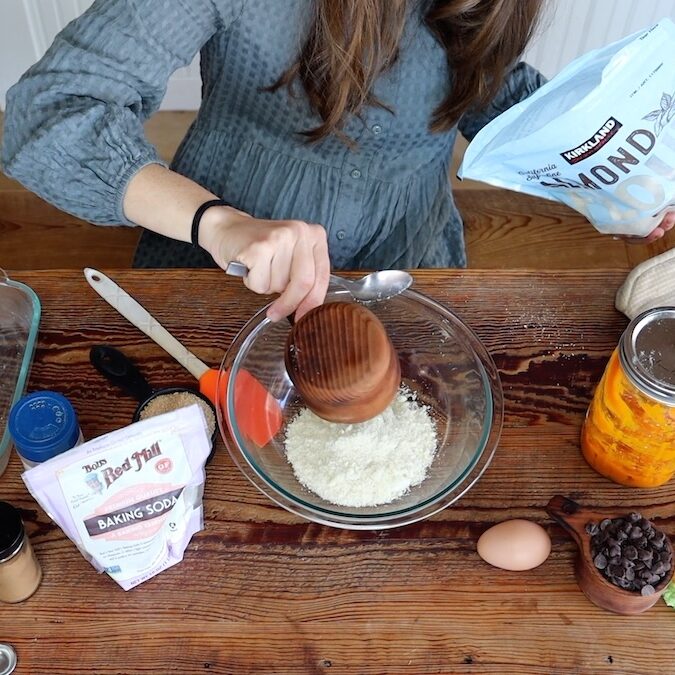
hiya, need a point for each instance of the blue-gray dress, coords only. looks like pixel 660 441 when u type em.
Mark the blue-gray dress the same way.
pixel 74 129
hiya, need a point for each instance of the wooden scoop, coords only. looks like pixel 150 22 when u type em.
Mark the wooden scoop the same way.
pixel 342 362
pixel 595 586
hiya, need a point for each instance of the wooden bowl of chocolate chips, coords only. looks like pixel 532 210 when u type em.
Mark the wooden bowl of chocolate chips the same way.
pixel 624 563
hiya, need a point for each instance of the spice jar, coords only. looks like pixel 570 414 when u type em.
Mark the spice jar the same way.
pixel 629 431
pixel 20 571
pixel 7 659
pixel 43 424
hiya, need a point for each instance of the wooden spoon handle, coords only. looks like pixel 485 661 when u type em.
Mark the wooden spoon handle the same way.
pixel 136 314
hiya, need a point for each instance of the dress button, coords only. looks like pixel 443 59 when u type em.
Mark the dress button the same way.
pixel 355 173
pixel 341 234
pixel 376 129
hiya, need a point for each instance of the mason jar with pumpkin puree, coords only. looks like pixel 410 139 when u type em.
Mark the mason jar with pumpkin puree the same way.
pixel 629 431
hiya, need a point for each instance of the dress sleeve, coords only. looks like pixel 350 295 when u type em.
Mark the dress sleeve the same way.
pixel 521 81
pixel 74 122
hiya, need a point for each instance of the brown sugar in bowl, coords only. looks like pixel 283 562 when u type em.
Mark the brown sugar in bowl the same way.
pixel 342 362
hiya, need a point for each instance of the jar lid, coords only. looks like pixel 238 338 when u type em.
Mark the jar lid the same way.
pixel 11 531
pixel 7 659
pixel 648 353
pixel 43 424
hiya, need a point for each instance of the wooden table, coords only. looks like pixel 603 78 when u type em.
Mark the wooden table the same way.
pixel 261 590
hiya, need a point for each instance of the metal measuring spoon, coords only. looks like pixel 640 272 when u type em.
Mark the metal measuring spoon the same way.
pixel 374 286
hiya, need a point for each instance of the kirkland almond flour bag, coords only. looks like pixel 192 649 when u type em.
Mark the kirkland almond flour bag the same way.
pixel 132 499
pixel 599 137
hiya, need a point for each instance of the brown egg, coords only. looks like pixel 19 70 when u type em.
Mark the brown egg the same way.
pixel 515 545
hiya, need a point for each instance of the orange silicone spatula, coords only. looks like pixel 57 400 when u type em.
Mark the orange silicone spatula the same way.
pixel 258 412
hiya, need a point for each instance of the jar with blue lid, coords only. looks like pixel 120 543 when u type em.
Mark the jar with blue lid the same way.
pixel 43 424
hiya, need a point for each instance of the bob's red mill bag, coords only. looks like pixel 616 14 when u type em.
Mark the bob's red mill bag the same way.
pixel 599 137
pixel 132 499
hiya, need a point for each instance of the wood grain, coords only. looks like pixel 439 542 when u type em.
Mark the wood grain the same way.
pixel 36 235
pixel 507 230
pixel 262 591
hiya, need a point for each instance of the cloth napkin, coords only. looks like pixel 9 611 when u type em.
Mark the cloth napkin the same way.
pixel 651 284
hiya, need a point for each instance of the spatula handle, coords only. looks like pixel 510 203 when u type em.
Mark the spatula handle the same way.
pixel 135 313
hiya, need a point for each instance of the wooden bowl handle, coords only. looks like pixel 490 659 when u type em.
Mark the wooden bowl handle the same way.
pixel 570 515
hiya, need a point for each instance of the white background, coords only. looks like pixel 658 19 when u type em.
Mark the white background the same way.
pixel 570 28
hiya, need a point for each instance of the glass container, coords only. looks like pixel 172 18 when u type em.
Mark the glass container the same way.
pixel 19 322
pixel 628 435
pixel 442 361
pixel 20 571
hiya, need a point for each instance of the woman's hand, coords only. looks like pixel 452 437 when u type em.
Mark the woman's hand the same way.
pixel 289 257
pixel 283 256
pixel 664 226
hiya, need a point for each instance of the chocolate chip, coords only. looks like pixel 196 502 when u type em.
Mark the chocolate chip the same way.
pixel 636 532
pixel 659 540
pixel 647 590
pixel 592 528
pixel 615 570
pixel 659 569
pixel 630 552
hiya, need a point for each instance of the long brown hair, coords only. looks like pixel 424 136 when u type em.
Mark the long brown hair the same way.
pixel 352 42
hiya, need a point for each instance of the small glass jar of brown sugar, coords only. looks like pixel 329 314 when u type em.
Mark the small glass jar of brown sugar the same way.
pixel 20 571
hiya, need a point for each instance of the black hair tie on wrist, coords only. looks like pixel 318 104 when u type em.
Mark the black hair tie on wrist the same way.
pixel 194 232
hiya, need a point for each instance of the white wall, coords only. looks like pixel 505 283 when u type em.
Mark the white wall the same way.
pixel 570 28
pixel 27 28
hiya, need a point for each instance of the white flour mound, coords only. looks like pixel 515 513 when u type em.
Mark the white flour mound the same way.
pixel 364 464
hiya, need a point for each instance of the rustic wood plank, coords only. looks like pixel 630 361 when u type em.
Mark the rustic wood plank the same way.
pixel 36 235
pixel 507 230
pixel 261 590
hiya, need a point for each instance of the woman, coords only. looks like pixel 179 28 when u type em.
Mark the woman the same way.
pixel 337 112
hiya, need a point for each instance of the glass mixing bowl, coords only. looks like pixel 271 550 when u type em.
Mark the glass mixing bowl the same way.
pixel 442 361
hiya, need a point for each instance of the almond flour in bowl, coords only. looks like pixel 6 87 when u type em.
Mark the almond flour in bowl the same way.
pixel 365 464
